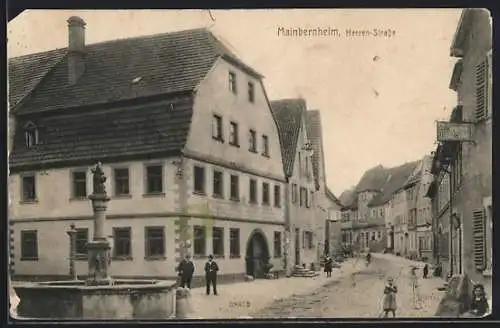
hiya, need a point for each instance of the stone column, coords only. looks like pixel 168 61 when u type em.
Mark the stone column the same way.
pixel 99 249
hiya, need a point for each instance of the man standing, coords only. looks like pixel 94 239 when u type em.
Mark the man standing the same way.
pixel 211 269
pixel 186 271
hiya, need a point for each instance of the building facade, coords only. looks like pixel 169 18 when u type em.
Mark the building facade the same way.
pixel 468 163
pixel 303 233
pixel 193 163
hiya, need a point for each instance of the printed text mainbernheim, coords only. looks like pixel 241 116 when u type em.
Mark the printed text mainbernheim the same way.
pixel 334 32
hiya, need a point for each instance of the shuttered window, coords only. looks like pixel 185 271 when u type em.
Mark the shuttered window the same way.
pixel 482 90
pixel 479 239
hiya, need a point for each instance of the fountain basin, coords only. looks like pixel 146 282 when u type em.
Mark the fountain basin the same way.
pixel 122 300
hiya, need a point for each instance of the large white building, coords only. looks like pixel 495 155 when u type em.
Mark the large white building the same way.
pixel 188 143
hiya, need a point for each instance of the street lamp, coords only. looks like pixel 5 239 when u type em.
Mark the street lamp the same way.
pixel 72 251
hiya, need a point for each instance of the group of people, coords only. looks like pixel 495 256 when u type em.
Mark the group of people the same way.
pixel 478 307
pixel 186 268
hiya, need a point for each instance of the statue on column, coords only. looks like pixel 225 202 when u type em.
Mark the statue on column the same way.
pixel 99 179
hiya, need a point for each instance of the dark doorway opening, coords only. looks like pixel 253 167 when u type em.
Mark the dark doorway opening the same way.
pixel 257 255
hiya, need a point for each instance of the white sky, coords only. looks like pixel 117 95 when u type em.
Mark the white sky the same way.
pixel 373 112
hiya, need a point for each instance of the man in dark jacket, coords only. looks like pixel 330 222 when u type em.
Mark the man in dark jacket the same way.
pixel 186 271
pixel 211 269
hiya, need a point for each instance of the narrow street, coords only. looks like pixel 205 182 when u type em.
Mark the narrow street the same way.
pixel 360 296
pixel 335 297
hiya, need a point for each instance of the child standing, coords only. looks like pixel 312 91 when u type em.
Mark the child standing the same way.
pixel 415 287
pixel 479 305
pixel 390 292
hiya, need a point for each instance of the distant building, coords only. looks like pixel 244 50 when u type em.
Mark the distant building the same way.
pixel 188 143
pixel 468 165
pixel 328 206
pixel 303 233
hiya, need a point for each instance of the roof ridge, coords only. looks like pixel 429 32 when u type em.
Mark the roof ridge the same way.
pixel 117 40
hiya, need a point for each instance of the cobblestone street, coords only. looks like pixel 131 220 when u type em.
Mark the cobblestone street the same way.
pixel 344 295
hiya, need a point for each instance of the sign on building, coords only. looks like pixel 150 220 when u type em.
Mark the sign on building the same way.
pixel 448 131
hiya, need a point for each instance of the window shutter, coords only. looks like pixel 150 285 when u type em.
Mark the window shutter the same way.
pixel 489 87
pixel 481 90
pixel 479 239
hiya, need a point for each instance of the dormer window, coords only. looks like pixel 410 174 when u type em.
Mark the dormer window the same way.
pixel 30 134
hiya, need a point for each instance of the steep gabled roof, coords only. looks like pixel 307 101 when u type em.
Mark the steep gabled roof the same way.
pixel 314 133
pixel 169 66
pixel 332 197
pixel 348 199
pixel 165 63
pixel 289 114
pixel 373 180
pixel 397 178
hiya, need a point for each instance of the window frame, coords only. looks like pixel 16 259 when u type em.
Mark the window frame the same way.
pixel 219 239
pixel 234 249
pixel 234 138
pixel 233 84
pixel 36 253
pixel 253 197
pixel 252 141
pixel 147 249
pixel 74 181
pixel 216 182
pixel 116 179
pixel 147 177
pixel 202 170
pixel 251 92
pixel 266 197
pixel 83 255
pixel 217 127
pixel 234 187
pixel 265 145
pixel 116 239
pixel 277 195
pixel 196 239
pixel 33 199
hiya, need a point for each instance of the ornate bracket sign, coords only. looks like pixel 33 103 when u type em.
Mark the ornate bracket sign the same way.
pixel 448 131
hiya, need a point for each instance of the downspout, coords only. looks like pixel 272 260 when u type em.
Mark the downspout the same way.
pixel 450 233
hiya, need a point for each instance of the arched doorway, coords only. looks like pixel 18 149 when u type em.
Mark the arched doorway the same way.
pixel 257 254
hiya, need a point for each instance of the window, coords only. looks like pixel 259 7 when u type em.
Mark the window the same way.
pixel 253 191
pixel 277 196
pixel 379 235
pixel 235 187
pixel 199 241
pixel 303 196
pixel 233 134
pixel 265 193
pixel 294 193
pixel 28 188
pixel 265 146
pixel 218 241
pixel 29 245
pixel 217 133
pixel 481 90
pixel 251 92
pixel 154 177
pixel 308 240
pixel 218 184
pixel 122 237
pixel 234 242
pixel 79 184
pixel 232 82
pixel 30 134
pixel 310 199
pixel 155 242
pixel 81 240
pixel 121 182
pixel 199 179
pixel 277 244
pixel 373 235
pixel 479 239
pixel 252 141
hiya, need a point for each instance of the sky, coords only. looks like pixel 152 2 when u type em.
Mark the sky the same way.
pixel 379 97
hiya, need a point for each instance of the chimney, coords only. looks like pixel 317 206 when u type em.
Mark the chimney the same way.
pixel 76 48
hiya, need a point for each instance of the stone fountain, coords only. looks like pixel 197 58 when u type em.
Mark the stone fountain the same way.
pixel 99 296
